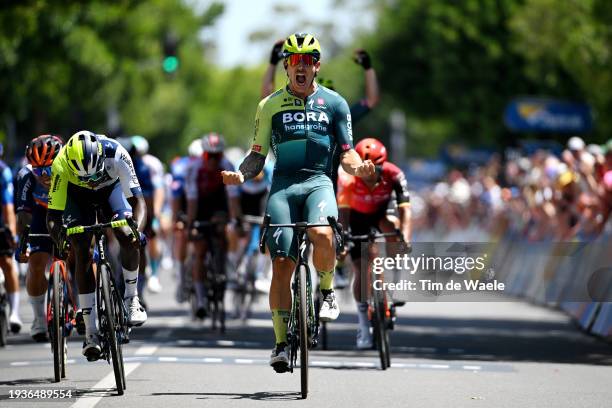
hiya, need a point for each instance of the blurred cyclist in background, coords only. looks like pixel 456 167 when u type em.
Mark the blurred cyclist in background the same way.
pixel 7 242
pixel 362 205
pixel 208 199
pixel 33 181
pixel 150 172
pixel 178 169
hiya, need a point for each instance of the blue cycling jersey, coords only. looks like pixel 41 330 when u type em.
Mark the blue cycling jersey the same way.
pixel 29 191
pixel 178 169
pixel 6 186
pixel 144 177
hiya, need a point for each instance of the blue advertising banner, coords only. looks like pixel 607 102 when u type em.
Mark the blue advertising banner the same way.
pixel 547 115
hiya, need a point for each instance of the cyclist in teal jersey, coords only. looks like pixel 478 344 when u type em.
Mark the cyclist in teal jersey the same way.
pixel 304 124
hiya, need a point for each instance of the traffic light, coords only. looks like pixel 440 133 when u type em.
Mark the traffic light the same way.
pixel 171 62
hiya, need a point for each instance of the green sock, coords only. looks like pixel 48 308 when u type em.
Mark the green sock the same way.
pixel 280 319
pixel 326 280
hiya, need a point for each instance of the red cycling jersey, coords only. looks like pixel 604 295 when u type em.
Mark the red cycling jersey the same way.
pixel 353 192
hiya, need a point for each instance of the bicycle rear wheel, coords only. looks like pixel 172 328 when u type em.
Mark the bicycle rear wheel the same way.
pixel 57 314
pixel 303 304
pixel 121 327
pixel 110 331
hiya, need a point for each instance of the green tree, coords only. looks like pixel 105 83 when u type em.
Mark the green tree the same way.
pixel 453 66
pixel 571 38
pixel 65 65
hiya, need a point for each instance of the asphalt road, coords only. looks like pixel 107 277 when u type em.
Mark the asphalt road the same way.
pixel 494 354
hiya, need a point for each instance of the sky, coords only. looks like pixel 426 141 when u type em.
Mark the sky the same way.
pixel 242 17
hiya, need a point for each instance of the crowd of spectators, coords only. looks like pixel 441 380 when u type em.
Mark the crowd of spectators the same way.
pixel 537 197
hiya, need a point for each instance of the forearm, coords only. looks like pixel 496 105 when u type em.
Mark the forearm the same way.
pixel 350 161
pixel 24 219
pixel 344 214
pixel 405 214
pixel 9 216
pixel 158 201
pixel 252 165
pixel 54 223
pixel 371 88
pixel 267 86
pixel 234 208
pixel 139 210
pixel 192 206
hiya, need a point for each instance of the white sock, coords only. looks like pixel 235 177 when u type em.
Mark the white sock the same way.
pixel 362 315
pixel 200 292
pixel 38 306
pixel 87 302
pixel 14 302
pixel 131 281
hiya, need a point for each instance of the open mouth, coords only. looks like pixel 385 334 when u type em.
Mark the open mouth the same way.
pixel 300 79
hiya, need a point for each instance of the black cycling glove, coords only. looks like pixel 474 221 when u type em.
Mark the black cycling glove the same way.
pixel 363 58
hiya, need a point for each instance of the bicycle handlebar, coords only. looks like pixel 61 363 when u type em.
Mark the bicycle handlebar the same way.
pixel 79 229
pixel 332 222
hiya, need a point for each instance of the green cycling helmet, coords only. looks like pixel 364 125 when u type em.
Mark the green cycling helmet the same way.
pixel 302 43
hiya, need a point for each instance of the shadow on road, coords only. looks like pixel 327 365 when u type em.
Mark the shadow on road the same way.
pixel 430 337
pixel 258 396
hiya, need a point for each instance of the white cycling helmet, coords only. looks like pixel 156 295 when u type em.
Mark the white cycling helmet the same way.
pixel 195 148
pixel 140 144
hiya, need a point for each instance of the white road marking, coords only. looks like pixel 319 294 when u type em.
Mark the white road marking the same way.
pixel 212 360
pixel 104 384
pixel 468 367
pixel 109 381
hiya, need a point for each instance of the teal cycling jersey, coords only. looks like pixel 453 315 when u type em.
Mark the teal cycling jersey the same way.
pixel 304 134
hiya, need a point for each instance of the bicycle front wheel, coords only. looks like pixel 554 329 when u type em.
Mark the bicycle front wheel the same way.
pixel 57 312
pixel 380 330
pixel 303 304
pixel 110 331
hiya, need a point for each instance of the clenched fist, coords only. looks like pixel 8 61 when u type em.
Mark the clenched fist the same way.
pixel 365 169
pixel 232 177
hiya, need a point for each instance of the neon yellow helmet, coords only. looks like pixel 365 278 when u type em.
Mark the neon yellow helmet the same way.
pixel 302 43
pixel 85 155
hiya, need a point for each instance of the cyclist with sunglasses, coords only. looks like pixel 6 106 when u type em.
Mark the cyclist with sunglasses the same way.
pixel 363 203
pixel 93 172
pixel 208 200
pixel 305 124
pixel 33 182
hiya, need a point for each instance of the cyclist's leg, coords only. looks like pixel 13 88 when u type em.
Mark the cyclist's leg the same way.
pixel 319 204
pixel 389 223
pixel 11 277
pixel 360 224
pixel 115 206
pixel 36 283
pixel 81 212
pixel 199 275
pixel 283 251
pixel 153 247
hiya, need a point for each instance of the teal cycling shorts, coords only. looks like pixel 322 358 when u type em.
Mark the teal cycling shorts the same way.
pixel 293 199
